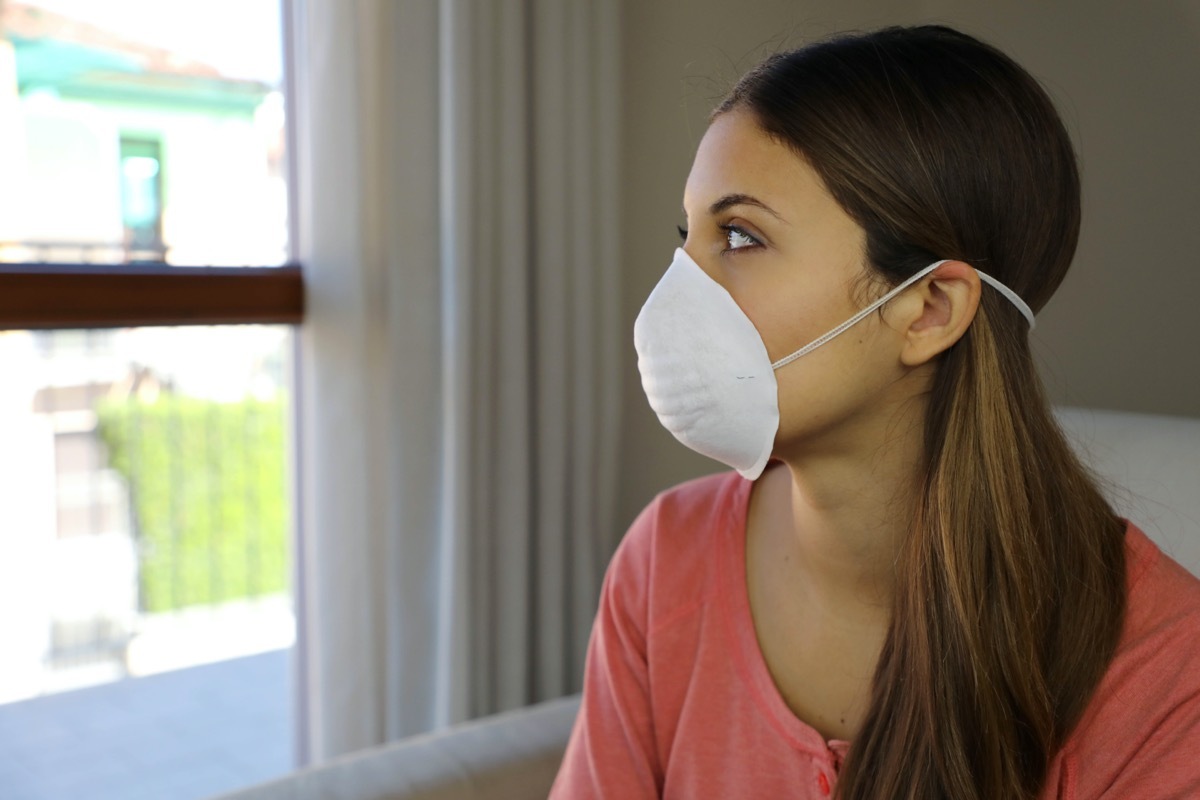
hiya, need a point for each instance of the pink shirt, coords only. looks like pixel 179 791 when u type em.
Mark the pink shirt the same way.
pixel 678 702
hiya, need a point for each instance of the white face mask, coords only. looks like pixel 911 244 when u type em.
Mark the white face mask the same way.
pixel 706 370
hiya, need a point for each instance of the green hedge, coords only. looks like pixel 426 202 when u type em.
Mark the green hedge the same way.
pixel 207 484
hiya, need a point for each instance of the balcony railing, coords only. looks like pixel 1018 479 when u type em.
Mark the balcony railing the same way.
pixel 74 252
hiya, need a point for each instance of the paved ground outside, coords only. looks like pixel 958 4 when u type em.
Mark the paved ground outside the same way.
pixel 181 735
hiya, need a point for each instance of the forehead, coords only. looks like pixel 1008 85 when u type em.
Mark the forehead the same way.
pixel 737 157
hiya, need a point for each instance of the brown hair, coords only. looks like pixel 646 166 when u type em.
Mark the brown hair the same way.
pixel 1011 592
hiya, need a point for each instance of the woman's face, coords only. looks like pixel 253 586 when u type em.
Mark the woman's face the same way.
pixel 762 224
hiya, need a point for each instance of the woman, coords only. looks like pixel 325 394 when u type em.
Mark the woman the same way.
pixel 910 587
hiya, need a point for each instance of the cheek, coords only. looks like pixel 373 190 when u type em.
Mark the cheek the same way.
pixel 834 383
pixel 815 390
pixel 791 305
pixel 786 323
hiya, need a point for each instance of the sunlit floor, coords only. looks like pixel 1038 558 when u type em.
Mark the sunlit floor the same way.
pixel 181 735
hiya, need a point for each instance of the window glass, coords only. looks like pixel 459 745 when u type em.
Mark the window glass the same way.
pixel 145 555
pixel 146 616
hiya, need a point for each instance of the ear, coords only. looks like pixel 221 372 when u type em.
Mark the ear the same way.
pixel 949 298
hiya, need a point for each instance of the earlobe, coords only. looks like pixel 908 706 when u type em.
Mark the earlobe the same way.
pixel 949 299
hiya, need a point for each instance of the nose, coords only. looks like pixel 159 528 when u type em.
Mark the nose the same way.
pixel 708 269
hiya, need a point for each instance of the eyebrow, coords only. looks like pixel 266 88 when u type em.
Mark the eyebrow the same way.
pixel 731 200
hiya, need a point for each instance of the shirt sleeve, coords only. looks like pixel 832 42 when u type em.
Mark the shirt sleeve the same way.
pixel 1165 767
pixel 611 753
pixel 1145 745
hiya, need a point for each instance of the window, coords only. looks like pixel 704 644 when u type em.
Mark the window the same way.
pixel 141 199
pixel 146 296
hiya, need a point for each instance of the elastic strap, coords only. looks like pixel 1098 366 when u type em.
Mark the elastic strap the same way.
pixel 1008 294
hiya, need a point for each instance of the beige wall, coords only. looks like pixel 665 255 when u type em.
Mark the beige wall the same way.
pixel 1121 332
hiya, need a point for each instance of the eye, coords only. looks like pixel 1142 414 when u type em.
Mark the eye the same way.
pixel 738 239
pixel 682 233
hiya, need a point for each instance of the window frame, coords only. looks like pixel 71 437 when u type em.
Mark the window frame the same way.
pixel 58 295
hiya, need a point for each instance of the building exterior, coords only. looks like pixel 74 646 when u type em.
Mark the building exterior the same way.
pixel 119 151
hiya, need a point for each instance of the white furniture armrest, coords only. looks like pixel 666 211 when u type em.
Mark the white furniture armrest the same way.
pixel 1152 464
pixel 509 756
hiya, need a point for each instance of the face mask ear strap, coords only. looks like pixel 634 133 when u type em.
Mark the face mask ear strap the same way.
pixel 857 318
pixel 1009 295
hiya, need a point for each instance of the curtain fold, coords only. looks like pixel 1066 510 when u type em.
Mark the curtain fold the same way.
pixel 458 398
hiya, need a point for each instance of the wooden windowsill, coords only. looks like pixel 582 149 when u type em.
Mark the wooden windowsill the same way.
pixel 95 296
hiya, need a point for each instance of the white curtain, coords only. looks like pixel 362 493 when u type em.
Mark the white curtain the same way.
pixel 455 170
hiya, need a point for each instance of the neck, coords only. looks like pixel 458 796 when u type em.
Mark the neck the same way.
pixel 850 507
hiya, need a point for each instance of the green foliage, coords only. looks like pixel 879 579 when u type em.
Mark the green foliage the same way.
pixel 207 483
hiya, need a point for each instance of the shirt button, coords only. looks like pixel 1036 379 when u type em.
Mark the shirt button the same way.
pixel 823 783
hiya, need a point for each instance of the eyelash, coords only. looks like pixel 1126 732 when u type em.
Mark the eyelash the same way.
pixel 731 229
pixel 728 229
